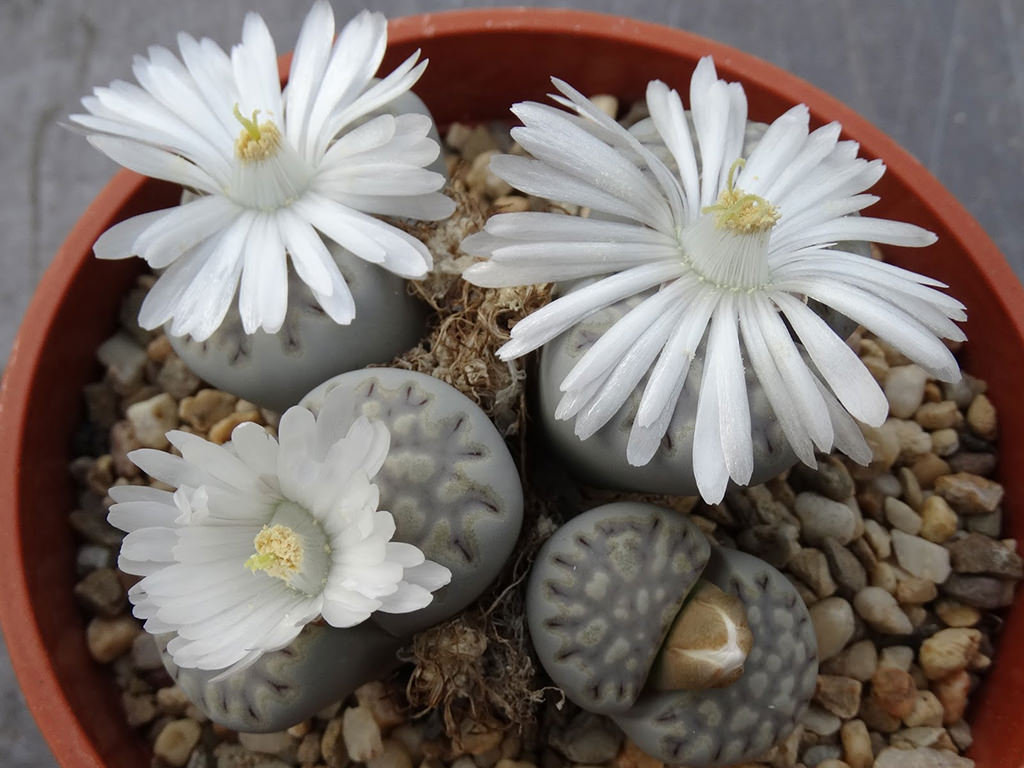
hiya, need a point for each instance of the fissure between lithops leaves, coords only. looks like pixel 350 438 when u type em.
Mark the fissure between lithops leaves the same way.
pixel 728 245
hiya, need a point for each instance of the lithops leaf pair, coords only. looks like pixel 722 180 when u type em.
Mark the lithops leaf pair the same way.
pixel 612 584
pixel 453 493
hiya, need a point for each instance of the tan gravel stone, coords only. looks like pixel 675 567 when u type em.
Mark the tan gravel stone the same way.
pixel 839 695
pixel 151 420
pixel 221 431
pixel 945 442
pixel 176 741
pixel 957 614
pixel 205 408
pixel 376 697
pixel 928 468
pixel 858 661
pixel 361 734
pixel 948 651
pixel 110 638
pixel 952 692
pixel 856 744
pixel 938 520
pixel 922 757
pixel 981 418
pixel 927 711
pixel 970 494
pixel 894 691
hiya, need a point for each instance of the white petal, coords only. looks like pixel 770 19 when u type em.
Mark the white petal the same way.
pixel 842 370
pixel 118 242
pixel 263 295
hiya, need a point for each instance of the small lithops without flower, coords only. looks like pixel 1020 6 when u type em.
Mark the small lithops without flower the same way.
pixel 263 536
pixel 704 656
pixel 276 176
pixel 726 252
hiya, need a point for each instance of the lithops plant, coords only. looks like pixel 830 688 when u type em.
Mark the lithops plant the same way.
pixel 609 601
pixel 449 479
pixel 276 369
pixel 274 177
pixel 289 685
pixel 727 253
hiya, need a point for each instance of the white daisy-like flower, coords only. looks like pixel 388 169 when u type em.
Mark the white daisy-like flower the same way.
pixel 275 171
pixel 263 536
pixel 732 249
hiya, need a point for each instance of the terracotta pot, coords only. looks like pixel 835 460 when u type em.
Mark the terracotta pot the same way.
pixel 480 63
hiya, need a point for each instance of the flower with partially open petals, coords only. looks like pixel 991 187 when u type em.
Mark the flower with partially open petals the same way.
pixel 275 171
pixel 725 251
pixel 262 537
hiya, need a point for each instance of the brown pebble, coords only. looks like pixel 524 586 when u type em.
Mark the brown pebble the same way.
pixel 876 718
pixel 176 741
pixel 894 691
pixel 857 749
pixel 382 705
pixel 952 692
pixel 948 651
pixel 915 591
pixel 110 638
pixel 969 494
pixel 945 442
pixel 221 431
pixel 976 553
pixel 938 520
pixel 983 592
pixel 942 415
pixel 839 695
pixel 139 708
pixel 929 467
pixel 957 614
pixel 206 407
pixel 101 593
pixel 981 418
pixel 159 349
pixel 927 711
pixel 977 463
pixel 331 745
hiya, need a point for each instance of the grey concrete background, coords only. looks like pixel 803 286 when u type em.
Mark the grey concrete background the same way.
pixel 945 78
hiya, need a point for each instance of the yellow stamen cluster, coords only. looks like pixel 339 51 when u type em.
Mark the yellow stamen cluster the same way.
pixel 278 552
pixel 742 212
pixel 257 141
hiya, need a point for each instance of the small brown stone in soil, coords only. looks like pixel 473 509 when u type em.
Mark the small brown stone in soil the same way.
pixel 957 614
pixel 927 711
pixel 894 691
pixel 176 741
pixel 969 494
pixel 952 691
pixel 928 468
pixel 221 431
pixel 976 553
pixel 856 744
pixel 110 638
pixel 361 734
pixel 948 651
pixel 938 520
pixel 981 418
pixel 983 592
pixel 382 703
pixel 839 695
pixel 205 408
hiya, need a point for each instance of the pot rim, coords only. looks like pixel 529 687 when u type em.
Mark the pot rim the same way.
pixel 46 699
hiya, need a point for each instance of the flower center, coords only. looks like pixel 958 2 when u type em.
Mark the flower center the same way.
pixel 728 244
pixel 257 141
pixel 293 547
pixel 268 174
pixel 278 552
